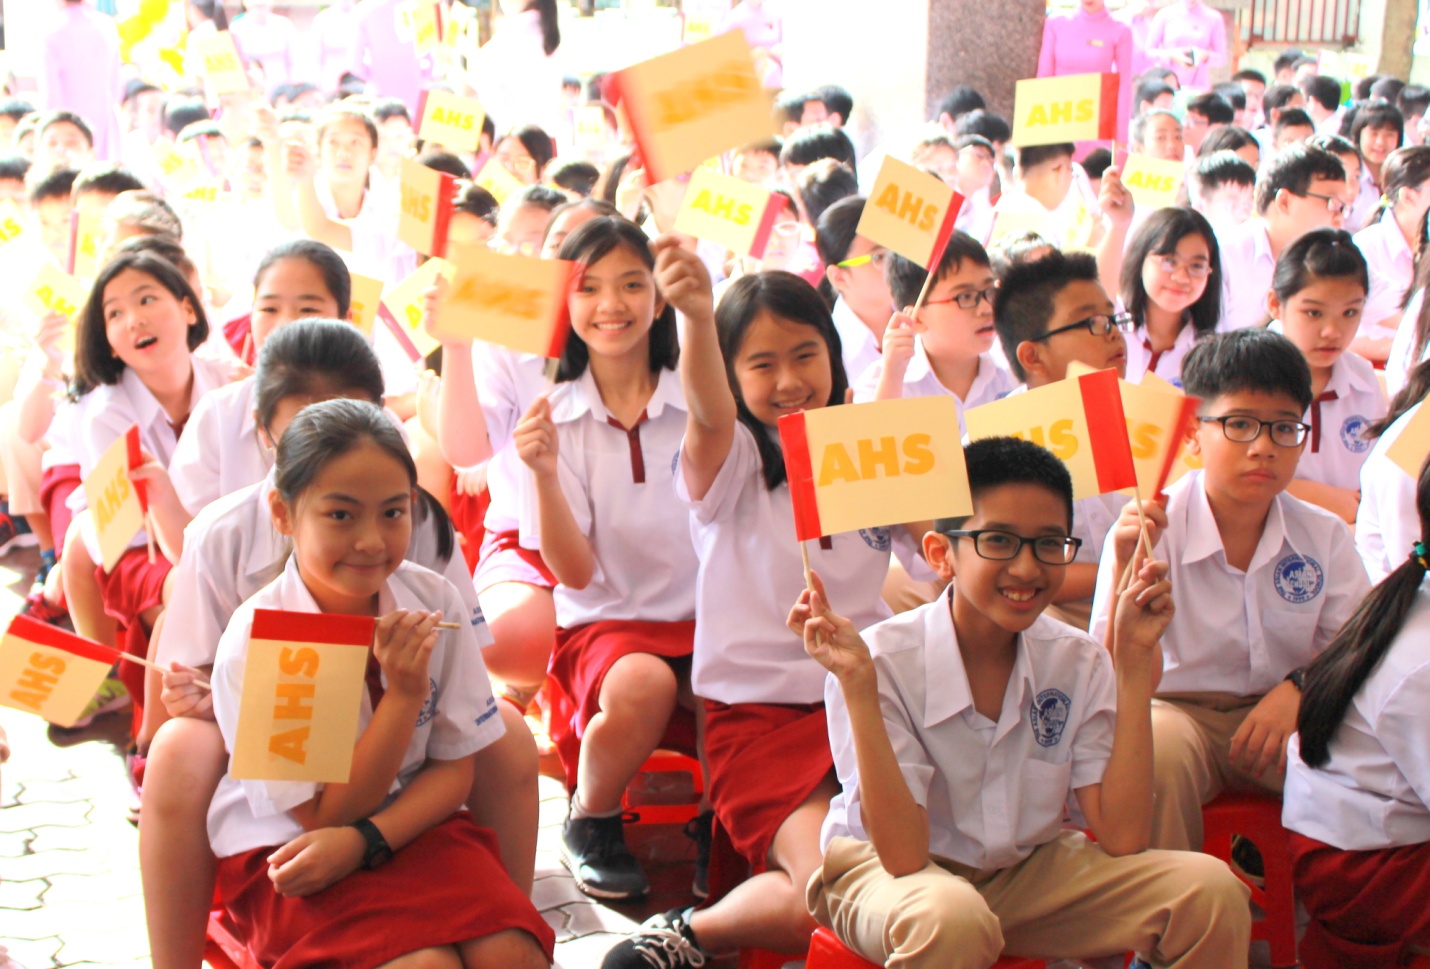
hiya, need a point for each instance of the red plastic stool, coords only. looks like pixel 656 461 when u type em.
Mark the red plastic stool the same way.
pixel 222 948
pixel 668 762
pixel 1258 819
pixel 827 952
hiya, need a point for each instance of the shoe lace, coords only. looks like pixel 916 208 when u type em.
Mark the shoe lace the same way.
pixel 608 838
pixel 667 949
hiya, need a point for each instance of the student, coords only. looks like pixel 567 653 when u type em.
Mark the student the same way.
pixel 13 171
pixel 1390 245
pixel 810 144
pixel 474 217
pixel 1413 102
pixel 1299 192
pixel 758 163
pixel 1387 519
pixel 854 283
pixel 1323 102
pixel 947 845
pixel 395 137
pixel 770 350
pixel 1350 161
pixel 234 552
pixel 225 450
pixel 344 872
pixel 625 607
pixel 1222 187
pixel 1377 129
pixel 1357 792
pixel 944 350
pixel 1170 286
pixel 1234 139
pixel 1205 114
pixel 521 224
pixel 524 152
pixel 1046 185
pixel 1233 94
pixel 974 176
pixel 1158 134
pixel 1273 579
pixel 960 101
pixel 1293 127
pixel 577 178
pixel 62 140
pixel 819 186
pixel 1152 94
pixel 97 185
pixel 1279 97
pixel 52 205
pixel 1316 297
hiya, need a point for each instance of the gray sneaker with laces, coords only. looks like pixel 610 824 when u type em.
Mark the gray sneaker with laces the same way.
pixel 663 941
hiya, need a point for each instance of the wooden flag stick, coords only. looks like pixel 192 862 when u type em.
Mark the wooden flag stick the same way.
pixel 1142 519
pixel 142 661
pixel 804 555
pixel 449 625
pixel 149 535
pixel 923 294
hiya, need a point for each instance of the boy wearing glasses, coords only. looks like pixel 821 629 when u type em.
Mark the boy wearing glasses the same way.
pixel 944 350
pixel 963 728
pixel 1271 578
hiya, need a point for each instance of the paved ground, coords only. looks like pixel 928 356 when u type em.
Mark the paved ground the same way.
pixel 69 867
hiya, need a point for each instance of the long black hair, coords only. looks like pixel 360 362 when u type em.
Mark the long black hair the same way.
pixel 789 297
pixel 1337 675
pixel 1323 253
pixel 834 237
pixel 550 30
pixel 1159 236
pixel 1417 385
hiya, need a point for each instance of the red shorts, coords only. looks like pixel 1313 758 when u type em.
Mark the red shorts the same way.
pixel 468 512
pixel 56 485
pixel 579 664
pixel 1366 907
pixel 134 587
pixel 765 759
pixel 446 887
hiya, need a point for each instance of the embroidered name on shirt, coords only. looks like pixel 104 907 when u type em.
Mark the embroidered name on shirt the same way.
pixel 1299 578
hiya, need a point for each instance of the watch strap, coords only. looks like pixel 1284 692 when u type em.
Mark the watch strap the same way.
pixel 377 850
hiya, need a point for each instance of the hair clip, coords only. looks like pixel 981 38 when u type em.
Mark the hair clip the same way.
pixel 1418 552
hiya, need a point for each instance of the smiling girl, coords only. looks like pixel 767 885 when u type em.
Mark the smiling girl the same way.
pixel 1171 286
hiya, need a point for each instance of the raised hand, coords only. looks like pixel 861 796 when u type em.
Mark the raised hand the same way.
pixel 536 439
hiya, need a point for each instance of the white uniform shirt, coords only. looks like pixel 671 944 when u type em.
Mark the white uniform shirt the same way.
pixel 1335 449
pixel 1167 364
pixel 975 216
pixel 994 791
pixel 618 484
pixel 1399 364
pixel 222 451
pixel 1242 632
pixel 991 382
pixel 1374 792
pixel 1392 270
pixel 750 576
pixel 857 343
pixel 1247 267
pixel 1387 522
pixel 231 550
pixel 1362 210
pixel 459 718
pixel 507 385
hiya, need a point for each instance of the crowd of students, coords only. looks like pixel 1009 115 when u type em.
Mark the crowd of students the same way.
pixel 950 740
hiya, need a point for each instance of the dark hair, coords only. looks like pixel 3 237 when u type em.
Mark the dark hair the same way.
pixel 975 141
pixel 1287 60
pixel 1413 99
pixel 1319 254
pixel 1324 90
pixel 1158 73
pixel 772 147
pixel 575 175
pixel 824 183
pixel 475 200
pixel 201 129
pixel 14 167
pixel 906 277
pixel 1387 88
pixel 1377 114
pixel 1024 304
pixel 959 102
pixel 342 111
pixel 602 209
pixel 1030 155
pixel 385 109
pixel 15 108
pixel 996 461
pixel 1096 162
pixel 56 185
pixel 1212 106
pixel 143 210
pixel 1159 236
pixel 813 142
pixel 1233 94
pixel 64 117
pixel 1016 247
pixel 1277 96
pixel 550 29
pixel 1362 87
pixel 212 10
pixel 1222 168
pixel 980 122
pixel 1406 167
pixel 163 245
pixel 1251 360
pixel 309 357
pixel 1414 390
pixel 1227 138
pixel 834 236
pixel 1137 128
pixel 104 178
pixel 789 297
pixel 588 244
pixel 615 171
pixel 836 100
pixel 321 257
pixel 1294 169
pixel 440 160
pixel 1292 118
pixel 1337 675
pixel 789 108
pixel 538 196
pixel 1250 75
pixel 1150 90
pixel 536 142
pixel 94 359
pixel 179 113
pixel 1335 144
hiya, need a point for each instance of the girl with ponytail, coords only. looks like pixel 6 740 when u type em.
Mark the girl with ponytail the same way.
pixel 1358 775
pixel 1386 522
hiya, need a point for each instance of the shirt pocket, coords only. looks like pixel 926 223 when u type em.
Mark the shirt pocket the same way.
pixel 1290 634
pixel 1044 792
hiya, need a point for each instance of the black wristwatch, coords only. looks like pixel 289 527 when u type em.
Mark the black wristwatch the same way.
pixel 378 851
pixel 1297 678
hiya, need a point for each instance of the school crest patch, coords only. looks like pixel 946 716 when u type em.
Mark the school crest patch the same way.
pixel 1299 578
pixel 879 539
pixel 1049 716
pixel 429 708
pixel 1351 434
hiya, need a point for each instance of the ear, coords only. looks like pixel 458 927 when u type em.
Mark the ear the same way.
pixel 1273 303
pixel 1193 443
pixel 282 517
pixel 938 551
pixel 1030 357
pixel 835 275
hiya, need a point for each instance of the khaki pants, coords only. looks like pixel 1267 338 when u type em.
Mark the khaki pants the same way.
pixel 1068 899
pixel 1191 738
pixel 19 465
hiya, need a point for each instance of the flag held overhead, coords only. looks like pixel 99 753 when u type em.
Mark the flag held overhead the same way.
pixel 401 308
pixel 729 211
pixel 519 302
pixel 1053 110
pixel 910 212
pixel 427 199
pixel 451 120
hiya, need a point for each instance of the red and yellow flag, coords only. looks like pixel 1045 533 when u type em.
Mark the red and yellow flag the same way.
pixel 49 672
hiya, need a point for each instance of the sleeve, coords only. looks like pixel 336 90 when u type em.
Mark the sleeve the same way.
pixel 265 798
pixel 200 606
pixel 466 718
pixel 496 392
pixel 1346 585
pixel 1370 540
pixel 1400 728
pixel 741 464
pixel 1092 744
pixel 1103 592
pixel 1047 56
pixel 194 467
pixel 1156 37
pixel 1383 302
pixel 422 550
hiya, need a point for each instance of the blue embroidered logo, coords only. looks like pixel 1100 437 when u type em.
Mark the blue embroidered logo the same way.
pixel 1352 432
pixel 1175 382
pixel 1299 578
pixel 1049 715
pixel 879 539
pixel 429 709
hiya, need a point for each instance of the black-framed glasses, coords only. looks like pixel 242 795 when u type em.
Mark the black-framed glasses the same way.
pixel 969 299
pixel 1001 546
pixel 1243 430
pixel 1334 205
pixel 1099 325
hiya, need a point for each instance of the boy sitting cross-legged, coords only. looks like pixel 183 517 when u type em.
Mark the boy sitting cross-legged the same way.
pixel 962 728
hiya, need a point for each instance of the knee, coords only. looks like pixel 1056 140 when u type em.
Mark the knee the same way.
pixel 508 949
pixel 187 758
pixel 945 920
pixel 638 683
pixel 1213 891
pixel 435 958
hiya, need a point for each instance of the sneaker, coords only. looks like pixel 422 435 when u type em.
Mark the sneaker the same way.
pixel 594 849
pixel 662 942
pixel 113 695
pixel 698 829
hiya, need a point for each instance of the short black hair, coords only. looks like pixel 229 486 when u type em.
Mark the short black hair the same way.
pixel 15 108
pixel 475 200
pixel 813 142
pixel 56 185
pixel 824 183
pixel 994 127
pixel 789 107
pixel 1387 88
pixel 1250 75
pixel 1323 89
pixel 1286 60
pixel 836 100
pixel 996 461
pixel 65 117
pixel 1277 96
pixel 959 102
pixel 1377 114
pixel 1096 162
pixel 906 277
pixel 1233 93
pixel 441 160
pixel 179 113
pixel 385 109
pixel 575 175
pixel 1250 360
pixel 1292 118
pixel 1224 167
pixel 1150 90
pixel 1360 90
pixel 1212 106
pixel 1137 128
pixel 1024 304
pixel 1294 169
pixel 1414 99
pixel 1027 156
pixel 137 86
pixel 540 196
pixel 106 179
pixel 1228 138
pixel 14 167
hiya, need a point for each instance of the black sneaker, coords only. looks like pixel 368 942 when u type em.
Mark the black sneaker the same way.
pixel 595 851
pixel 698 829
pixel 662 942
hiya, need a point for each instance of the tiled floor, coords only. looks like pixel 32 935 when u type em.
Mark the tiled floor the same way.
pixel 69 867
